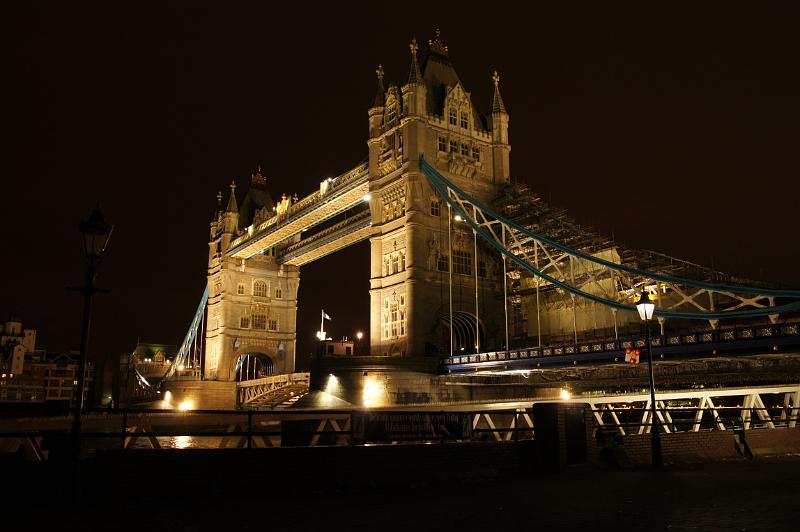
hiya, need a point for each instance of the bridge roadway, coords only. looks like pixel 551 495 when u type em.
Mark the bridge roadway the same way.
pixel 728 341
pixel 335 196
pixel 345 233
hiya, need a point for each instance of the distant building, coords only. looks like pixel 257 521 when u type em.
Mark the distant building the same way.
pixel 30 376
pixel 343 347
pixel 150 360
pixel 14 343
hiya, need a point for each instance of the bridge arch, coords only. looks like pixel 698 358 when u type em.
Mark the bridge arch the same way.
pixel 253 365
pixel 464 334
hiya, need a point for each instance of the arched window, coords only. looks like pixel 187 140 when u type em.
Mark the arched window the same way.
pixel 259 321
pixel 453 116
pixel 260 289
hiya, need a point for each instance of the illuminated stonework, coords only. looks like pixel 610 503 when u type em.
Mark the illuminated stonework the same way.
pixel 405 220
pixel 252 303
pixel 434 116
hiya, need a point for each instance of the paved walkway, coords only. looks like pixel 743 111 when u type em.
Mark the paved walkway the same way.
pixel 741 496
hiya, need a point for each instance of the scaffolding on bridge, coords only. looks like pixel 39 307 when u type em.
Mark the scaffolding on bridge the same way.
pixel 537 241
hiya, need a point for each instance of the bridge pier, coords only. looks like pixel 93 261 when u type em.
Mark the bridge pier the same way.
pixel 200 395
pixel 393 381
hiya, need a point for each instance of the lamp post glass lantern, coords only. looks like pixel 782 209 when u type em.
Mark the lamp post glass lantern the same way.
pixel 646 309
pixel 96 234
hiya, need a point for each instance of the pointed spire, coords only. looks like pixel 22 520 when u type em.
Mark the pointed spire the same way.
pixel 415 76
pixel 232 206
pixel 381 94
pixel 497 103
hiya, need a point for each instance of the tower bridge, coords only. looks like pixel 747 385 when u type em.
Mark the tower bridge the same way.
pixel 464 263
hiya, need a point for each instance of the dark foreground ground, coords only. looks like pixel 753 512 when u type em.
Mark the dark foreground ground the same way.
pixel 754 495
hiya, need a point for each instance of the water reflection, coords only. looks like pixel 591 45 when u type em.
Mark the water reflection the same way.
pixel 183 442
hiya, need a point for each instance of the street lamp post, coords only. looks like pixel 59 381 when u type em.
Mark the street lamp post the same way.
pixel 359 336
pixel 96 234
pixel 646 307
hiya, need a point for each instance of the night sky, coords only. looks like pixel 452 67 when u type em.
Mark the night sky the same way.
pixel 674 129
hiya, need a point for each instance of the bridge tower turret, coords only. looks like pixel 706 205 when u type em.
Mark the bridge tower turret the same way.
pixel 500 146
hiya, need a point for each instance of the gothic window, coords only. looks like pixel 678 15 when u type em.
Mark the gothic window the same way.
pixel 453 117
pixel 476 153
pixel 454 146
pixel 436 207
pixel 386 265
pixel 240 289
pixel 392 116
pixel 481 268
pixel 244 322
pixel 278 292
pixel 402 261
pixel 442 144
pixel 395 263
pixel 260 289
pixel 462 262
pixel 386 324
pixel 441 263
pixel 402 323
pixel 464 150
pixel 393 318
pixel 259 321
pixel 465 120
pixel 273 325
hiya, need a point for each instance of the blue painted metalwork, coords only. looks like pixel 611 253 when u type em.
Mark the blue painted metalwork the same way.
pixel 443 186
pixel 191 335
pixel 730 341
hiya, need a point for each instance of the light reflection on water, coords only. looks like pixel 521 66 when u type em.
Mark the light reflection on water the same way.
pixel 183 442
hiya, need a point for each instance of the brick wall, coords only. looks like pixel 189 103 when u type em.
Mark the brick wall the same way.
pixel 692 447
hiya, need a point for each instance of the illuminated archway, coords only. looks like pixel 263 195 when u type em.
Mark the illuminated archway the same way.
pixel 251 366
pixel 464 335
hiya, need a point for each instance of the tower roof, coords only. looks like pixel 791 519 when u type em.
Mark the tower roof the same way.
pixel 438 73
pixel 232 206
pixel 256 199
pixel 497 102
pixel 414 76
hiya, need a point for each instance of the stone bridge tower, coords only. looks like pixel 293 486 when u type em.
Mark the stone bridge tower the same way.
pixel 252 303
pixel 432 114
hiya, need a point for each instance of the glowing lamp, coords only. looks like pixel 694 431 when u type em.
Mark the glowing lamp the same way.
pixel 645 306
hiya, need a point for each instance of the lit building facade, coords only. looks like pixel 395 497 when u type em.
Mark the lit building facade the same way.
pixel 433 115
pixel 252 303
